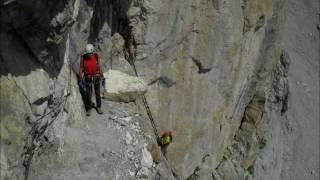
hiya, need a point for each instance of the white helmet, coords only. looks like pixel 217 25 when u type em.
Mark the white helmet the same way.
pixel 89 48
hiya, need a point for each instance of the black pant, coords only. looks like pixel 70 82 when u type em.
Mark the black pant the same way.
pixel 92 82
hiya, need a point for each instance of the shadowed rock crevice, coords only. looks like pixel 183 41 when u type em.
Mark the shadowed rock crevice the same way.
pixel 250 20
pixel 246 22
pixel 215 4
pixel 280 85
pixel 114 13
pixel 163 81
pixel 260 23
pixel 200 66
pixel 247 142
pixel 201 172
pixel 33 36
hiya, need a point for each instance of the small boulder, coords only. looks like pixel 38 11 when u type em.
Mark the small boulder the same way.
pixel 146 160
pixel 122 87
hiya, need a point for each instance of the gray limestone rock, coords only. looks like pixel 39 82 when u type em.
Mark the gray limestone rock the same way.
pixel 122 87
pixel 216 73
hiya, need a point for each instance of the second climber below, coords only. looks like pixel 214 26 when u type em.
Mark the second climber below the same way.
pixel 90 75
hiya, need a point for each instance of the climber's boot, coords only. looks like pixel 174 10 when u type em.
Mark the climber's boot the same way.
pixel 99 111
pixel 88 113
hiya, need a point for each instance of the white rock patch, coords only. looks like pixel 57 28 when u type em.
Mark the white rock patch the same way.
pixel 123 87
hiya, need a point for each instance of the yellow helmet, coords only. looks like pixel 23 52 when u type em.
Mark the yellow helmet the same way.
pixel 166 138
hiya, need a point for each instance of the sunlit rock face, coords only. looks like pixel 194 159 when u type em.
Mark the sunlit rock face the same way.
pixel 236 81
pixel 219 54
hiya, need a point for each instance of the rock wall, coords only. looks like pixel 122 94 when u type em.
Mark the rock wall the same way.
pixel 39 93
pixel 218 54
pixel 223 75
pixel 293 138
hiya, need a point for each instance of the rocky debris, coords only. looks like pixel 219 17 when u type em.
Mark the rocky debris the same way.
pixel 112 145
pixel 123 87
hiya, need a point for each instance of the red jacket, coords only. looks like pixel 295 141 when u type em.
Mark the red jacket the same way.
pixel 90 65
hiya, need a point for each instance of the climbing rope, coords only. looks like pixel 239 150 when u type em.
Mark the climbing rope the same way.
pixel 147 107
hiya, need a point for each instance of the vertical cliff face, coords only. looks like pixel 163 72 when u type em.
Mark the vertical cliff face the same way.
pixel 37 86
pixel 219 55
pixel 225 76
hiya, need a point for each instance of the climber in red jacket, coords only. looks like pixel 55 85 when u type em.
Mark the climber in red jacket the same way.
pixel 90 75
